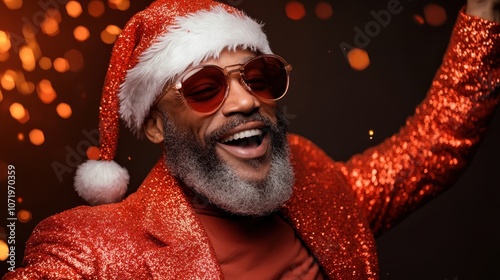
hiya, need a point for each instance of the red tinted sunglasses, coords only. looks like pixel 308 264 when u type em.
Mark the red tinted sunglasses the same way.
pixel 204 88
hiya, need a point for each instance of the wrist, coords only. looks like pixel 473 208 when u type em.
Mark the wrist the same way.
pixel 487 10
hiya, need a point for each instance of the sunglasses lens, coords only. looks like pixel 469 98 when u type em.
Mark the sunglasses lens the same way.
pixel 205 89
pixel 267 77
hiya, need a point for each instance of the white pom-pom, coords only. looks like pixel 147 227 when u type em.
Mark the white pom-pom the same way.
pixel 101 182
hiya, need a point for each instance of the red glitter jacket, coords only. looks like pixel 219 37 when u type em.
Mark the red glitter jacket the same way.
pixel 336 207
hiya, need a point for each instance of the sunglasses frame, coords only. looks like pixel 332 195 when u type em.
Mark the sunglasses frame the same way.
pixel 177 85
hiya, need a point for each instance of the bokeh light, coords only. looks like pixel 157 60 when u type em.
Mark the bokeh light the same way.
pixel 46 92
pixel 8 80
pixel 74 9
pixel 121 5
pixel 26 88
pixel 358 59
pixel 64 110
pixel 20 137
pixel 75 60
pixel 1 96
pixel 81 33
pixel 50 26
pixel 45 63
pixel 324 10
pixel 37 137
pixel 93 153
pixel 110 34
pixel 295 10
pixel 61 65
pixel 24 216
pixel 13 4
pixel 27 58
pixel 419 19
pixel 4 250
pixel 371 133
pixel 434 14
pixel 4 42
pixel 96 8
pixel 17 111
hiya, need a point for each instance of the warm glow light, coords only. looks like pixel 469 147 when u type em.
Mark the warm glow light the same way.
pixel 74 9
pixel 75 60
pixel 1 96
pixel 46 92
pixel 27 87
pixel 64 110
pixel 24 216
pixel 419 19
pixel 110 34
pixel 20 136
pixel 358 59
pixel 13 4
pixel 26 117
pixel 435 15
pixel 8 80
pixel 295 10
pixel 50 26
pixel 61 65
pixel 45 63
pixel 81 33
pixel 36 137
pixel 121 5
pixel 28 58
pixel 93 153
pixel 96 8
pixel 4 251
pixel 17 111
pixel 4 56
pixel 324 10
pixel 4 42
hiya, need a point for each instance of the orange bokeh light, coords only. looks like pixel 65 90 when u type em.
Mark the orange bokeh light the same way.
pixel 64 110
pixel 24 216
pixel 121 5
pixel 50 26
pixel 324 10
pixel 27 57
pixel 46 92
pixel 419 19
pixel 358 59
pixel 20 136
pixel 61 65
pixel 110 34
pixel 13 4
pixel 4 42
pixel 4 251
pixel 434 14
pixel 8 80
pixel 45 63
pixel 74 9
pixel 81 33
pixel 295 10
pixel 93 153
pixel 96 8
pixel 17 111
pixel 36 137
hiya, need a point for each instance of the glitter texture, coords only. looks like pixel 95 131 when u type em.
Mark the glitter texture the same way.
pixel 336 209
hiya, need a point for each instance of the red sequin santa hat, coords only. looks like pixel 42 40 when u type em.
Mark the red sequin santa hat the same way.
pixel 156 45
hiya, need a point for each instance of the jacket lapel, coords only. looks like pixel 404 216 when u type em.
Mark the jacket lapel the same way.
pixel 171 222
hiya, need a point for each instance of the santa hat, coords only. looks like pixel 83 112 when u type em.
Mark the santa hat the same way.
pixel 156 45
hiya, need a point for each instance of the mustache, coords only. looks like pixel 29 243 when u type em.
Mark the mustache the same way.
pixel 236 121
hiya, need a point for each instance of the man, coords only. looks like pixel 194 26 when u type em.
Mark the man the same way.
pixel 234 196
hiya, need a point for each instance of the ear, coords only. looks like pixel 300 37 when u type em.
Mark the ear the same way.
pixel 153 127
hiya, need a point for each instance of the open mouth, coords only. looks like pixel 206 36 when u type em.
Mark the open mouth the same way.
pixel 247 138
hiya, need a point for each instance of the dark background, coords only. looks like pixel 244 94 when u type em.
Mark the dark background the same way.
pixel 453 237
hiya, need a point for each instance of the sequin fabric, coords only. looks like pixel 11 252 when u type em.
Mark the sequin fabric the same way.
pixel 336 208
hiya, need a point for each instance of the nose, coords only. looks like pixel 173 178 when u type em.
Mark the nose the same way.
pixel 239 100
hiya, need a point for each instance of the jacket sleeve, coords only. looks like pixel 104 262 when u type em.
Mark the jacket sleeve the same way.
pixel 429 153
pixel 55 251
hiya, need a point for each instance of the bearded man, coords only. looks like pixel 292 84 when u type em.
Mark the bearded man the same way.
pixel 234 196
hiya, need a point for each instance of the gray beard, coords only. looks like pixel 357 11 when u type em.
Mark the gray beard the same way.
pixel 199 168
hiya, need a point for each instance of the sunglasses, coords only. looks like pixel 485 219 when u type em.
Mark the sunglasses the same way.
pixel 204 88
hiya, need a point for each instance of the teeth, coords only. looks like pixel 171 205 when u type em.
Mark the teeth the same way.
pixel 242 134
